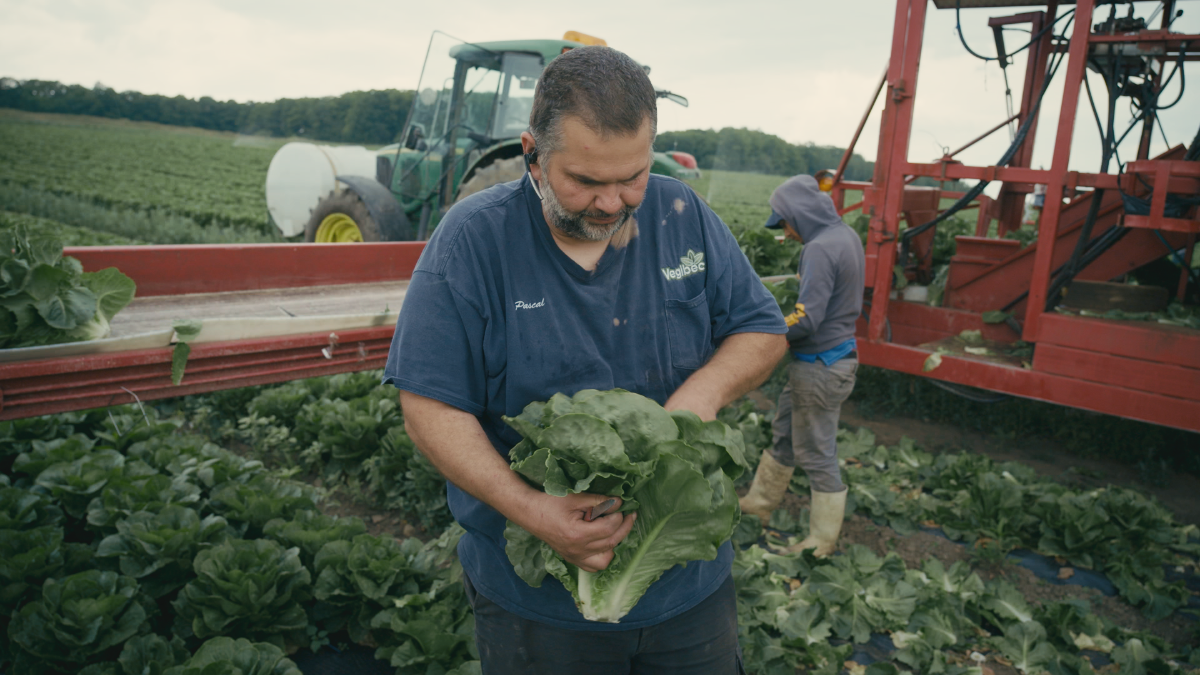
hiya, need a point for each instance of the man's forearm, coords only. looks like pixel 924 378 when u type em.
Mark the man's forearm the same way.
pixel 743 362
pixel 454 442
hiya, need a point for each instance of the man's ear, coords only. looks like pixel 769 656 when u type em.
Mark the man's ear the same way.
pixel 529 149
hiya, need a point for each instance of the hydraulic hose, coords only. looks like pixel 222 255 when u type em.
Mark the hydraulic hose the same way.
pixel 975 191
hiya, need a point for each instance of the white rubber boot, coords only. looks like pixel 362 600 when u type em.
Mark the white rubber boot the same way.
pixel 771 481
pixel 824 523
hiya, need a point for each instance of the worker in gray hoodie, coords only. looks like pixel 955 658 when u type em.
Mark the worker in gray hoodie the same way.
pixel 824 361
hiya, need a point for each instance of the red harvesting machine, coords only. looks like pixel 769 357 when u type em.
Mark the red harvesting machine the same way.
pixel 1094 229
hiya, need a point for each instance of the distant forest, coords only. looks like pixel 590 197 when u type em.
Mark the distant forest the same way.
pixel 377 118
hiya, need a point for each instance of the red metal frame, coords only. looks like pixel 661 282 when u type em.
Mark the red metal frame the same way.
pixel 45 386
pixel 1139 370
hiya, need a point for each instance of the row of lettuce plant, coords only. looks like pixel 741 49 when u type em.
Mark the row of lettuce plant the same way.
pixel 172 518
pixel 153 550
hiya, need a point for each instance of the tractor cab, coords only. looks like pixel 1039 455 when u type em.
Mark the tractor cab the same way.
pixel 462 135
pixel 470 108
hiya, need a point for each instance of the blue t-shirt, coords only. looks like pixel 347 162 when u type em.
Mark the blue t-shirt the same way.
pixel 497 316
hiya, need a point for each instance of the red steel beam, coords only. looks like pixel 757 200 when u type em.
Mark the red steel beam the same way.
pixel 202 268
pixel 895 132
pixel 1047 231
pixel 1108 181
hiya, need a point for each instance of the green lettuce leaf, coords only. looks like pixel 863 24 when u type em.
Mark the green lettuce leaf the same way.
pixel 675 470
pixel 226 656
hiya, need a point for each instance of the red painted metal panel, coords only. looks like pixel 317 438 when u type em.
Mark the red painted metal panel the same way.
pixel 58 385
pixel 1161 378
pixel 944 322
pixel 176 270
pixel 1098 397
pixel 1134 339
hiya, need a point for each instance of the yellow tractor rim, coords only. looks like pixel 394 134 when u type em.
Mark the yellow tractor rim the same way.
pixel 338 228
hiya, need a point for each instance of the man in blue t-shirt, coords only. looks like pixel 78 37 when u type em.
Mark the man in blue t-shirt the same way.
pixel 588 273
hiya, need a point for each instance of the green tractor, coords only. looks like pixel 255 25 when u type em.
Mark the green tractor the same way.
pixel 462 136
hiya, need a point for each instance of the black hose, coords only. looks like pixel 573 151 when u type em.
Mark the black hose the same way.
pixel 975 191
pixel 1027 45
pixel 1073 266
pixel 967 392
pixel 1099 245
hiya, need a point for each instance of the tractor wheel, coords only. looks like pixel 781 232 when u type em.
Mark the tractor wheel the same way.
pixel 341 217
pixel 499 171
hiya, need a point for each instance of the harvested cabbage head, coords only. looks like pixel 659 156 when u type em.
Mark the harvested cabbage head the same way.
pixel 676 471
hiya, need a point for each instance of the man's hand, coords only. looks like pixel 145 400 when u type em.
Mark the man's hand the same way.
pixel 561 523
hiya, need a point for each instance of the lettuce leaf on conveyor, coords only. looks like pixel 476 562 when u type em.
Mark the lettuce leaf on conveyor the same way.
pixel 676 471
pixel 46 298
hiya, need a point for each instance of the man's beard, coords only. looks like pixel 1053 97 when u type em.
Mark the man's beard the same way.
pixel 575 225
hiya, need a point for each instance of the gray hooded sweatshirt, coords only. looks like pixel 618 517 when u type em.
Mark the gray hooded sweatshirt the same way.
pixel 831 268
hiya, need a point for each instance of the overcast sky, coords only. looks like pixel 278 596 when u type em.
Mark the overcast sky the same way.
pixel 800 69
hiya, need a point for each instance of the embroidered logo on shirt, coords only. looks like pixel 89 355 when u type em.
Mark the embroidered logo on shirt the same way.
pixel 530 305
pixel 692 263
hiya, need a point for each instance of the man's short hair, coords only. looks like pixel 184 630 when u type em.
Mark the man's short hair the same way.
pixel 608 91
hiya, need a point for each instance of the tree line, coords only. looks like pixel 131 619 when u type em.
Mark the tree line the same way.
pixel 749 150
pixel 377 118
pixel 369 117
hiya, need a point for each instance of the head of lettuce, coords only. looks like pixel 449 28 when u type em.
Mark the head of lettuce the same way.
pixel 674 470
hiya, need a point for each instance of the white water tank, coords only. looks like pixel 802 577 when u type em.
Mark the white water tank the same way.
pixel 301 174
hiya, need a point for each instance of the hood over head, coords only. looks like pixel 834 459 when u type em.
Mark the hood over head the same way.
pixel 802 204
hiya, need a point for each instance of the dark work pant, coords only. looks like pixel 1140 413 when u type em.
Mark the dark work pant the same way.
pixel 701 641
pixel 806 420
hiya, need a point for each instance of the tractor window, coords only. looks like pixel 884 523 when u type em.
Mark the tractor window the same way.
pixel 521 73
pixel 479 97
pixel 450 61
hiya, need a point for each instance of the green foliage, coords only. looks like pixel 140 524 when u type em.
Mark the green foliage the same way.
pixel 429 627
pixel 78 619
pixel 1005 506
pixel 82 220
pixel 152 654
pixel 29 557
pixel 354 580
pixel 674 469
pixel 47 298
pixel 261 499
pixel 400 477
pixel 124 496
pixel 310 531
pixel 349 429
pixel 157 547
pixel 69 235
pixel 227 656
pixel 247 588
pixel 74 484
pixel 749 150
pixel 125 166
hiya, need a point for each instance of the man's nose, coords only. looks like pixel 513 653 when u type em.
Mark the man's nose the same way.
pixel 608 199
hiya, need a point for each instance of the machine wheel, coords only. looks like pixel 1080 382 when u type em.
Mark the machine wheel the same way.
pixel 499 171
pixel 341 217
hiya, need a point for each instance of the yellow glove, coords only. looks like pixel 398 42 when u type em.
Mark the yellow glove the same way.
pixel 794 318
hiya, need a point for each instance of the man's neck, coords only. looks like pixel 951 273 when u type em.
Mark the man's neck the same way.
pixel 585 253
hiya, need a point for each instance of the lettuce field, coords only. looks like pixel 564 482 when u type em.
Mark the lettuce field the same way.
pixel 270 529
